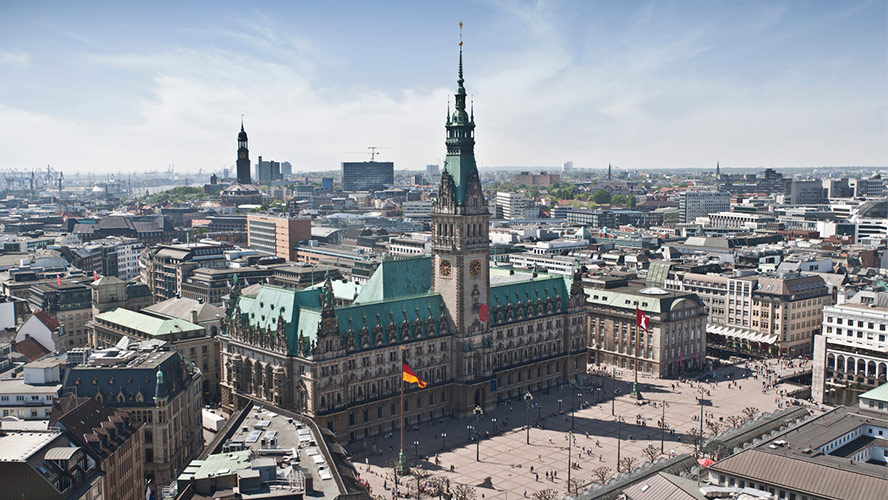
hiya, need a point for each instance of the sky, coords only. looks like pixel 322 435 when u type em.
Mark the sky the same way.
pixel 111 87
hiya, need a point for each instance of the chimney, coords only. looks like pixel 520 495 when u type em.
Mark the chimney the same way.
pixel 194 316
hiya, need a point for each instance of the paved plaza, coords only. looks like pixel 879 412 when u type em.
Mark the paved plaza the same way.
pixel 506 459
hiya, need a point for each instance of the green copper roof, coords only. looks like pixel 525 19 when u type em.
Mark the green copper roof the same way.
pixel 394 279
pixel 879 393
pixel 149 325
pixel 529 292
pixel 301 311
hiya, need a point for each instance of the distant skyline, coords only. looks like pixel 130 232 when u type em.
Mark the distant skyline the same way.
pixel 105 87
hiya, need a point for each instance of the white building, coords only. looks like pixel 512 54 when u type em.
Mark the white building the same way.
pixel 29 396
pixel 415 244
pixel 560 246
pixel 851 354
pixel 421 210
pixel 693 204
pixel 513 205
pixel 553 264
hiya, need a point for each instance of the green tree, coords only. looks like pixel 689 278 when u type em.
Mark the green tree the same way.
pixel 602 197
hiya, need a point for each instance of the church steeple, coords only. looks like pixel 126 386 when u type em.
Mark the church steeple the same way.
pixel 460 184
pixel 243 156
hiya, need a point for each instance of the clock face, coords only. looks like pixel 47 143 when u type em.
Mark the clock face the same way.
pixel 475 268
pixel 444 268
pixel 242 154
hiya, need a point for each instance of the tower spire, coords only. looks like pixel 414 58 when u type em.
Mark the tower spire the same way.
pixel 242 122
pixel 460 80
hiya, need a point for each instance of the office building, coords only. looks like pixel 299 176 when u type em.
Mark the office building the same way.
pixel 838 188
pixel 276 235
pixel 540 179
pixel 513 205
pixel 433 174
pixel 851 353
pixel 327 183
pixel 268 170
pixel 159 388
pixel 162 321
pixel 693 204
pixel 165 267
pixel 567 167
pixel 778 313
pixel 807 192
pixel 367 175
pixel 113 436
pixel 210 285
pixel 675 343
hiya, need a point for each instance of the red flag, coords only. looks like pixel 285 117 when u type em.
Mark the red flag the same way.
pixel 95 276
pixel 642 320
pixel 482 312
pixel 409 376
pixel 59 279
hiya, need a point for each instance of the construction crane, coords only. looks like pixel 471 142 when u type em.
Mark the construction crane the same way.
pixel 373 151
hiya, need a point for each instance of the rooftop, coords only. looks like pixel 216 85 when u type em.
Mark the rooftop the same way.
pixel 148 325
pixel 19 446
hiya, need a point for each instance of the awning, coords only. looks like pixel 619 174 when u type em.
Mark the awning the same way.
pixel 741 333
pixel 61 453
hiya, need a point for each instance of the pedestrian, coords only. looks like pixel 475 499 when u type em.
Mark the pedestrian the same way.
pixel 538 477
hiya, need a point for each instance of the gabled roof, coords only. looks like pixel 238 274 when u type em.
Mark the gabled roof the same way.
pixel 47 320
pixel 31 349
pixel 181 308
pixel 398 278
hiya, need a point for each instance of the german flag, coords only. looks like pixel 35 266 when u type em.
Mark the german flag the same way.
pixel 410 377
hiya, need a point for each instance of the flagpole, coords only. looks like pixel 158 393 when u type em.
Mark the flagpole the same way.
pixel 638 315
pixel 402 460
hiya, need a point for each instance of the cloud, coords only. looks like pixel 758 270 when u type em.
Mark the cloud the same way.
pixel 14 57
pixel 644 90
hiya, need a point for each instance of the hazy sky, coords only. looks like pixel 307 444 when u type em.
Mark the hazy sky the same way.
pixel 124 86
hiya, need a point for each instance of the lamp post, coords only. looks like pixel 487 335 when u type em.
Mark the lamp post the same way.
pixel 663 425
pixel 702 390
pixel 443 440
pixel 416 447
pixel 573 413
pixel 559 405
pixel 528 400
pixel 619 439
pixel 539 409
pixel 493 424
pixel 613 390
pixel 478 414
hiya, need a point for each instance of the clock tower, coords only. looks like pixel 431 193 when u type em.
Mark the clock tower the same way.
pixel 460 241
pixel 243 157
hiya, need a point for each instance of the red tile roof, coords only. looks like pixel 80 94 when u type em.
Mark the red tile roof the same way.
pixel 31 349
pixel 47 320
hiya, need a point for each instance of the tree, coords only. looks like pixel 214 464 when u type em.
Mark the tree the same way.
pixel 695 437
pixel 418 488
pixel 618 200
pixel 199 231
pixel 627 464
pixel 602 474
pixel 735 420
pixel 602 197
pixel 573 486
pixel 651 452
pixel 436 486
pixel 630 201
pixel 715 427
pixel 463 492
pixel 547 494
pixel 751 412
